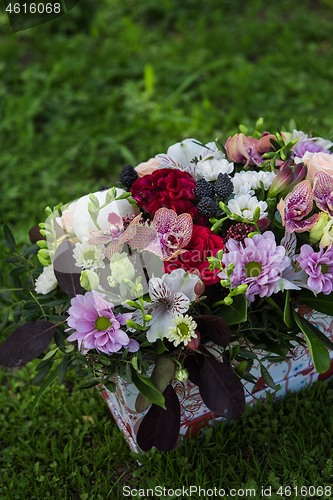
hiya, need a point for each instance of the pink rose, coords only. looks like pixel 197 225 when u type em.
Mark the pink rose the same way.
pixel 147 167
pixel 318 162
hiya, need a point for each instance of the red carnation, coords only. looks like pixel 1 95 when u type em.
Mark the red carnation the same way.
pixel 203 244
pixel 168 188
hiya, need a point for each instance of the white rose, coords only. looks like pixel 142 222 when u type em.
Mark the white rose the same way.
pixel 121 267
pixel 82 222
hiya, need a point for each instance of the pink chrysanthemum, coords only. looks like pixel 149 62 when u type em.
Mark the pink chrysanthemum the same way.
pixel 97 327
pixel 258 263
pixel 319 267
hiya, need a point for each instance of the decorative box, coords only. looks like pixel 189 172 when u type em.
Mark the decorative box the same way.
pixel 292 374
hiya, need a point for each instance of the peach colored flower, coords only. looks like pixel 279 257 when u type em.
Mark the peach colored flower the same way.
pixel 265 144
pixel 65 221
pixel 318 162
pixel 147 167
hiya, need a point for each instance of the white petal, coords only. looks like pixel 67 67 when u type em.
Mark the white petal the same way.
pixel 181 281
pixel 158 289
pixel 160 327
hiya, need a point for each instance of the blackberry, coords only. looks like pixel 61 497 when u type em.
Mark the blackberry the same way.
pixel 103 188
pixel 204 189
pixel 207 207
pixel 128 176
pixel 223 186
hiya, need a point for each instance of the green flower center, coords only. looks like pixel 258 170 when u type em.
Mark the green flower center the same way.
pixel 89 255
pixel 324 268
pixel 253 269
pixel 182 330
pixel 102 323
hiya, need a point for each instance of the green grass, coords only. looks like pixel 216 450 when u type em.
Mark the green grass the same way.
pixel 57 453
pixel 115 82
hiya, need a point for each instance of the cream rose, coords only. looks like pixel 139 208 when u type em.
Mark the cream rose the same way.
pixel 327 238
pixel 318 162
pixel 82 222
pixel 121 267
pixel 147 167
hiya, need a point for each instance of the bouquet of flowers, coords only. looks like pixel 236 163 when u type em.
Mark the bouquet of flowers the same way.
pixel 204 245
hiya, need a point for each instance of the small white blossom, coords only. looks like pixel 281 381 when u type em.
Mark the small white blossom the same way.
pixel 251 180
pixel 245 205
pixel 89 256
pixel 210 169
pixel 46 281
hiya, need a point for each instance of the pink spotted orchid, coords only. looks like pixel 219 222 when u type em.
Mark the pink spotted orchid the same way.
pixel 297 205
pixel 323 191
pixel 115 235
pixel 167 236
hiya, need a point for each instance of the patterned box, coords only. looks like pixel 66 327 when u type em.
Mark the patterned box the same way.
pixel 292 374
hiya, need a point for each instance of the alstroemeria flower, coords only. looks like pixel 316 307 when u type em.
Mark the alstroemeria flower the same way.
pixel 167 236
pixel 170 295
pixel 323 191
pixel 297 205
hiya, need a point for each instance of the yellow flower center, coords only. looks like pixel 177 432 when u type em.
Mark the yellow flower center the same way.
pixel 253 269
pixel 102 323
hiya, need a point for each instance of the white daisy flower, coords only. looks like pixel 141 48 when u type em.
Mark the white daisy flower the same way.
pixel 210 169
pixel 89 256
pixel 183 330
pixel 245 205
pixel 46 281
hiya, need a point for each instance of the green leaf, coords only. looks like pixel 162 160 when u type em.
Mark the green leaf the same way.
pixel 42 373
pixel 62 368
pixel 163 372
pixel 43 388
pixel 318 351
pixel 5 319
pixel 319 334
pixel 267 377
pixel 147 389
pixel 111 386
pixel 322 303
pixel 288 312
pixel 9 237
pixel 236 313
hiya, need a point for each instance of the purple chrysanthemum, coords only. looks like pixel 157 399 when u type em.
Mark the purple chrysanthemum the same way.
pixel 97 327
pixel 258 263
pixel 302 147
pixel 319 267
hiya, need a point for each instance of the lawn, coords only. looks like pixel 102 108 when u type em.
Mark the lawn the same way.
pixel 116 82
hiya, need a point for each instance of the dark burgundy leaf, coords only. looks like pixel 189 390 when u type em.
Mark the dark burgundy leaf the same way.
pixel 221 389
pixel 160 428
pixel 34 234
pixel 193 363
pixel 26 343
pixel 67 273
pixel 215 328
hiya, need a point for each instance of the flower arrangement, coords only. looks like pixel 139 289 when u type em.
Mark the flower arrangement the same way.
pixel 204 244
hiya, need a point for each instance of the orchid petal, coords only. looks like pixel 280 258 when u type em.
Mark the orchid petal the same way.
pixel 322 191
